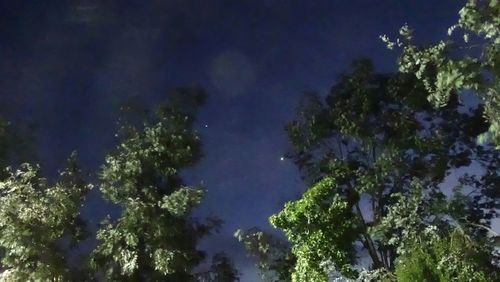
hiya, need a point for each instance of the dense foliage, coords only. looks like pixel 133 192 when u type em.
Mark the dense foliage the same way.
pixel 155 238
pixel 39 222
pixel 451 66
pixel 366 144
pixel 378 153
pixel 319 226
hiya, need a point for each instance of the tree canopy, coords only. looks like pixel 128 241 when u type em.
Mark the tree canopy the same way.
pixel 376 151
pixel 453 65
pixel 155 238
pixel 402 177
pixel 372 139
pixel 39 222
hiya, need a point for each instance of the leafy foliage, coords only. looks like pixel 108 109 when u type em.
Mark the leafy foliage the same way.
pixel 275 260
pixel 320 227
pixel 36 222
pixel 155 238
pixel 374 139
pixel 448 67
pixel 375 152
pixel 453 257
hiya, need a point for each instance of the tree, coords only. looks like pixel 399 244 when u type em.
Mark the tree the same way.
pixel 221 270
pixel 454 257
pixel 373 137
pixel 13 149
pixel 155 237
pixel 450 66
pixel 39 223
pixel 319 225
pixel 274 259
pixel 435 250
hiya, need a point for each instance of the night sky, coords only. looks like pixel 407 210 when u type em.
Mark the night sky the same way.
pixel 67 66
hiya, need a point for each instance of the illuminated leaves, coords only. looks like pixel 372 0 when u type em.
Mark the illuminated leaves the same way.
pixel 155 237
pixel 453 257
pixel 180 202
pixel 321 227
pixel 447 68
pixel 34 219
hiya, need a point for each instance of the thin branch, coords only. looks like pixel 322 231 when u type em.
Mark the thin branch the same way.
pixel 371 246
pixel 484 227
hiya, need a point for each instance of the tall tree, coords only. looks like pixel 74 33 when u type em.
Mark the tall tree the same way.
pixel 39 222
pixel 155 237
pixel 372 137
pixel 452 66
